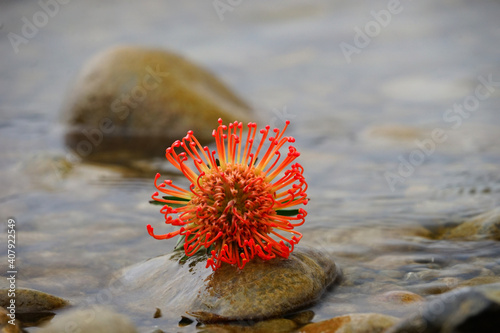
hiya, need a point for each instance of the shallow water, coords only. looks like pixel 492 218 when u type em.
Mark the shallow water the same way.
pixel 353 122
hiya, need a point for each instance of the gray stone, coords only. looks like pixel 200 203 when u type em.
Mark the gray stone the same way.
pixel 96 320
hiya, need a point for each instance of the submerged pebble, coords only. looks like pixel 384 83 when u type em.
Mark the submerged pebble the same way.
pixel 467 309
pixel 96 320
pixel 399 297
pixel 279 325
pixel 356 322
pixel 483 226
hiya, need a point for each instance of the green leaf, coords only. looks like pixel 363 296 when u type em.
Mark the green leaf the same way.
pixel 173 205
pixel 154 202
pixel 287 212
pixel 180 243
pixel 166 197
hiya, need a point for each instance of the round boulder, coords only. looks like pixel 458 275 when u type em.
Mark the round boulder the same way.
pixel 263 289
pixel 134 100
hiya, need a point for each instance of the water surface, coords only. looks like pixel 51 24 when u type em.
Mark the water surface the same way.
pixel 357 122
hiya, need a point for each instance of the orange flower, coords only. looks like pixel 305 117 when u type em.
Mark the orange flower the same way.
pixel 238 205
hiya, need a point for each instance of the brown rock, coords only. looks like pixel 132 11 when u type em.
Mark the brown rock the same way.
pixel 133 99
pixel 353 323
pixel 399 297
pixel 263 289
pixel 5 326
pixel 484 226
pixel 279 325
pixel 479 280
pixel 30 300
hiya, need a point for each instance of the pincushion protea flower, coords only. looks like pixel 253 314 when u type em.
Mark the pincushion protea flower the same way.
pixel 238 205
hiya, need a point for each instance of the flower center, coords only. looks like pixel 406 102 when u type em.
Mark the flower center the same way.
pixel 234 200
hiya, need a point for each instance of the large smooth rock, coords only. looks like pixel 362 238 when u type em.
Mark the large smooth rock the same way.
pixel 464 310
pixel 352 323
pixel 263 289
pixel 96 320
pixel 134 99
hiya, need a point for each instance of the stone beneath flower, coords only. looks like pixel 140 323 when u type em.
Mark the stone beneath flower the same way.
pixel 264 289
pixel 240 204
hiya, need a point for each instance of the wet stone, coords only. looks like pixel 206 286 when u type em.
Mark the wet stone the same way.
pixel 396 302
pixel 279 325
pixel 475 309
pixel 96 319
pixel 302 318
pixel 483 226
pixel 480 280
pixel 5 326
pixel 465 271
pixel 263 289
pixel 357 322
pixel 134 100
pixel 30 300
pixel 396 261
pixel 399 297
pixel 431 288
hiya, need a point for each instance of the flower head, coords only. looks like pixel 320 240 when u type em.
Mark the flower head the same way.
pixel 238 204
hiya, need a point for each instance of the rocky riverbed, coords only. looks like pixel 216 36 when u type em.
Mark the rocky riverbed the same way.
pixel 394 108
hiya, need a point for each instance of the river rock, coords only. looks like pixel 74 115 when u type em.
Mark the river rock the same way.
pixel 462 310
pixel 30 300
pixel 483 226
pixel 96 320
pixel 6 323
pixel 352 323
pixel 263 289
pixel 134 99
pixel 278 325
pixel 399 297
